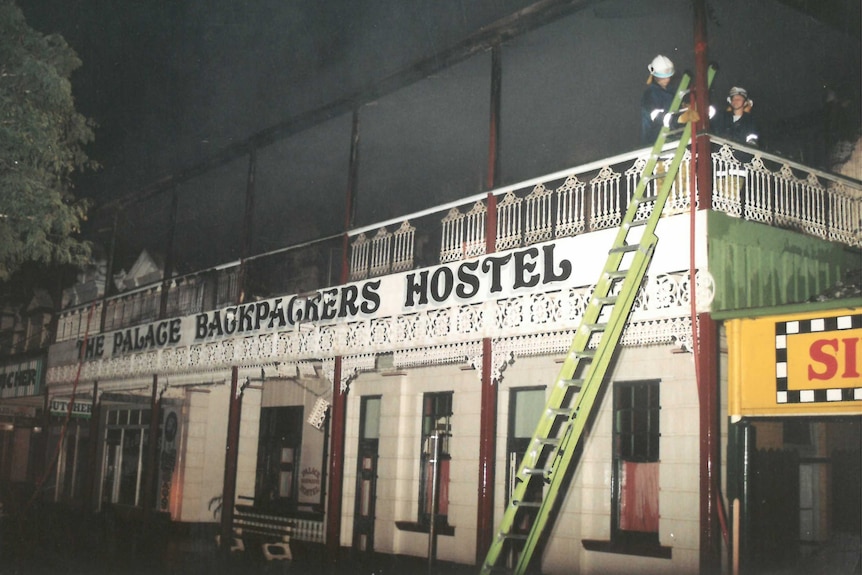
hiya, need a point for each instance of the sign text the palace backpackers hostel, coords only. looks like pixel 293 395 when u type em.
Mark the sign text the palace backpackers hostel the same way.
pixel 471 281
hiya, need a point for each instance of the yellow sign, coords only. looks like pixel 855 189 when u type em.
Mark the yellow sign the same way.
pixel 796 364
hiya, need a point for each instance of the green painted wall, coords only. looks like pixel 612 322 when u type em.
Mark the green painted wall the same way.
pixel 756 265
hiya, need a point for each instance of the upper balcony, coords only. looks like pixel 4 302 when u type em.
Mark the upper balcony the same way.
pixel 748 184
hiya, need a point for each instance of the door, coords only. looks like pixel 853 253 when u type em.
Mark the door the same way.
pixel 775 508
pixel 366 474
pixel 278 458
pixel 525 410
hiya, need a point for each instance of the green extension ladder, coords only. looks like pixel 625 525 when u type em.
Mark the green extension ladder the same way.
pixel 543 469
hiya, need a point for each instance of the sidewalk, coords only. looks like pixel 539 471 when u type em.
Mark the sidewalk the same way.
pixel 56 541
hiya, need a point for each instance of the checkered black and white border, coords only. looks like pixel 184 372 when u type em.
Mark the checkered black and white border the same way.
pixel 826 324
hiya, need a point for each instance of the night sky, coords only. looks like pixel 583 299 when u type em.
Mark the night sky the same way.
pixel 173 83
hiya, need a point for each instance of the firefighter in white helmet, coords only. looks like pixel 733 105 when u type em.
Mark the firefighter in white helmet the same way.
pixel 736 122
pixel 657 98
pixel 731 176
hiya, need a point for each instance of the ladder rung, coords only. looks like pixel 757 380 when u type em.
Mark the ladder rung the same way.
pixel 585 354
pixel 597 326
pixel 559 411
pixel 547 441
pixel 609 299
pixel 533 504
pixel 618 274
pixel 576 383
pixel 516 536
pixel 536 471
pixel 644 199
pixel 625 249
pixel 635 223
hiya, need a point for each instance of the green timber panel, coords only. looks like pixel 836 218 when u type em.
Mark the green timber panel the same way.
pixel 757 265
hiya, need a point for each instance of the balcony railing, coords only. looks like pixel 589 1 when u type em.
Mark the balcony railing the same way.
pixel 747 183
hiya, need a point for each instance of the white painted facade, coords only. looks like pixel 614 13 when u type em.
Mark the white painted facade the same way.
pixel 586 511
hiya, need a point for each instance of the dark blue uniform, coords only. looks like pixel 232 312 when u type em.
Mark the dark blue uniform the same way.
pixel 743 130
pixel 654 98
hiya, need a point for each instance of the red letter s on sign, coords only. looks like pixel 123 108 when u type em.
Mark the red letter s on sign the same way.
pixel 817 354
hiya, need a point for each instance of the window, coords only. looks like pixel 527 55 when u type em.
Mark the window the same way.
pixel 125 456
pixel 635 513
pixel 525 410
pixel 436 418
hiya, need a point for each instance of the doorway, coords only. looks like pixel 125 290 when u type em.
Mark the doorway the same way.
pixel 366 474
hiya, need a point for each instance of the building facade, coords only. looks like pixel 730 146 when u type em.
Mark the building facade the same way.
pixel 341 389
pixel 377 387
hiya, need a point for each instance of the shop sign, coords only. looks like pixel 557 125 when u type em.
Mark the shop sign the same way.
pixel 80 409
pixel 21 379
pixel 492 277
pixel 798 364
pixel 17 411
pixel 489 277
pixel 309 483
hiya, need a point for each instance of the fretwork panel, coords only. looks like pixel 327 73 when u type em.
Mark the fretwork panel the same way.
pixel 381 246
pixel 404 248
pixel 508 222
pixel 359 258
pixel 605 194
pixel 571 212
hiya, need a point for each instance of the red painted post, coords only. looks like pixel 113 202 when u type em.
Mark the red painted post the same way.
pixel 235 402
pixel 701 98
pixel 336 465
pixel 91 478
pixel 487 448
pixel 707 364
pixel 150 478
pixel 710 437
pixel 488 407
pixel 338 409
pixel 231 453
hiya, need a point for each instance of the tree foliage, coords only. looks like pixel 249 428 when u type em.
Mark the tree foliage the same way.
pixel 42 141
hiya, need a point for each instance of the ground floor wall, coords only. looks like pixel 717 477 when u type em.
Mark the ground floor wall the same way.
pixel 588 510
pixel 197 497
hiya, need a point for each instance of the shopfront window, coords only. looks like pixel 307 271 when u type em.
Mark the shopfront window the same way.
pixel 125 456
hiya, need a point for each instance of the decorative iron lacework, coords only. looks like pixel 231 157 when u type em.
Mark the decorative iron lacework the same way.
pixel 353 365
pixel 318 413
pixel 424 338
pixel 359 257
pixel 436 355
pixel 571 201
pixel 381 247
pixel 758 187
pixel 404 238
pixel 509 222
pixel 605 193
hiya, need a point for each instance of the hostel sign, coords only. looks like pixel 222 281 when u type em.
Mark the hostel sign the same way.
pixel 480 279
pixel 796 364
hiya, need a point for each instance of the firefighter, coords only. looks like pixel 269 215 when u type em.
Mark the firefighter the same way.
pixel 657 98
pixel 736 122
pixel 731 174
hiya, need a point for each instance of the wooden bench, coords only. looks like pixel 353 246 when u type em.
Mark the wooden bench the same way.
pixel 272 532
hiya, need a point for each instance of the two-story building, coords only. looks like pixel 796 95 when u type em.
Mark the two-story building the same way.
pixel 306 378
